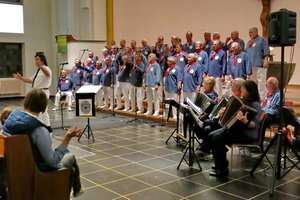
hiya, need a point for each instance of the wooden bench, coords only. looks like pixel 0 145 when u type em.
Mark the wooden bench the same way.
pixel 24 179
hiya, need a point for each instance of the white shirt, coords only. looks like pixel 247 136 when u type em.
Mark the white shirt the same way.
pixel 42 81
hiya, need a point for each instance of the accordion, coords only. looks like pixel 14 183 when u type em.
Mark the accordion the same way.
pixel 235 104
pixel 203 101
pixel 214 113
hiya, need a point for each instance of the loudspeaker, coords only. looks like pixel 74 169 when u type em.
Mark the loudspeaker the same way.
pixel 282 28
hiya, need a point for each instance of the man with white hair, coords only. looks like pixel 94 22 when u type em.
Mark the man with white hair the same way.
pixel 258 52
pixel 172 78
pixel 270 103
pixel 104 56
pixel 88 72
pixel 65 87
pixel 238 63
pixel 191 79
pixel 152 83
pixel 217 66
pixel 145 48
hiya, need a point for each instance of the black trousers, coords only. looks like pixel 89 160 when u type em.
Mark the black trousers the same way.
pixel 219 138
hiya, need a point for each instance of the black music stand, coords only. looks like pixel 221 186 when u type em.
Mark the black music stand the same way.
pixel 173 103
pixel 85 106
pixel 190 150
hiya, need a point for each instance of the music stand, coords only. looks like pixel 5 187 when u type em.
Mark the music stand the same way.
pixel 85 106
pixel 190 140
pixel 173 103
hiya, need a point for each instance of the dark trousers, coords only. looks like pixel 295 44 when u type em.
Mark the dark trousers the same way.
pixel 219 138
pixel 69 162
pixel 202 133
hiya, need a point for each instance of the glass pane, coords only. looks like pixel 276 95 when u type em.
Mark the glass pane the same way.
pixel 10 59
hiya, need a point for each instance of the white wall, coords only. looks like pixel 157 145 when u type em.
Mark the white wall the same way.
pixel 138 19
pixel 37 34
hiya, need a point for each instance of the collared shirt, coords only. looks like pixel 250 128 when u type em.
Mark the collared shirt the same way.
pixel 97 74
pixel 272 104
pixel 136 75
pixel 172 79
pixel 217 65
pixel 153 75
pixel 191 78
pixel 258 50
pixel 207 47
pixel 189 47
pixel 202 60
pixel 77 75
pixel 242 67
pixel 66 84
pixel 108 76
pixel 180 62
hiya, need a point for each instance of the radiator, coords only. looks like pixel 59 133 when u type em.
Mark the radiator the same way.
pixel 11 87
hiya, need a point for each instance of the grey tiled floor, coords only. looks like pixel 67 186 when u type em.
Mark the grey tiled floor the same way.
pixel 132 161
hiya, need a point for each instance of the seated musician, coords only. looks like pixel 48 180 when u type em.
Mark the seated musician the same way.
pixel 270 104
pixel 208 89
pixel 210 125
pixel 46 158
pixel 244 131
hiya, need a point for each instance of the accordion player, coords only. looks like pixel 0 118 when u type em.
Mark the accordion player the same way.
pixel 229 118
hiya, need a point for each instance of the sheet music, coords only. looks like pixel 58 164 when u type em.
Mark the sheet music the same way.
pixel 197 109
pixel 196 117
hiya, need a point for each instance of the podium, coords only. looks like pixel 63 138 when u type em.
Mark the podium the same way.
pixel 85 106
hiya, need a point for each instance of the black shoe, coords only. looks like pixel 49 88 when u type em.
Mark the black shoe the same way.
pixel 213 167
pixel 219 173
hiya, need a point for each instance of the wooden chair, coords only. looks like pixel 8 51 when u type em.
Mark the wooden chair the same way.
pixel 258 143
pixel 24 179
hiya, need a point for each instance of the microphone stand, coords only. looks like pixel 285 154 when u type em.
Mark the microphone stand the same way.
pixel 83 51
pixel 61 107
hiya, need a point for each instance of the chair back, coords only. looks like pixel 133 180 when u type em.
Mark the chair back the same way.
pixel 261 130
pixel 24 179
pixel 20 167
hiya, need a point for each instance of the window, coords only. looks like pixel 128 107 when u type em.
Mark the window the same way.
pixel 10 59
pixel 11 18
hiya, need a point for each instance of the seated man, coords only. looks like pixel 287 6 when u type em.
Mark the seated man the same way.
pixel 46 158
pixel 271 102
pixel 210 125
pixel 65 87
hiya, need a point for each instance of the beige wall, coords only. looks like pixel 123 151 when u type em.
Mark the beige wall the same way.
pixel 37 34
pixel 139 19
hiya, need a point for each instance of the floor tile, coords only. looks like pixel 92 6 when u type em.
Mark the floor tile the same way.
pixel 126 186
